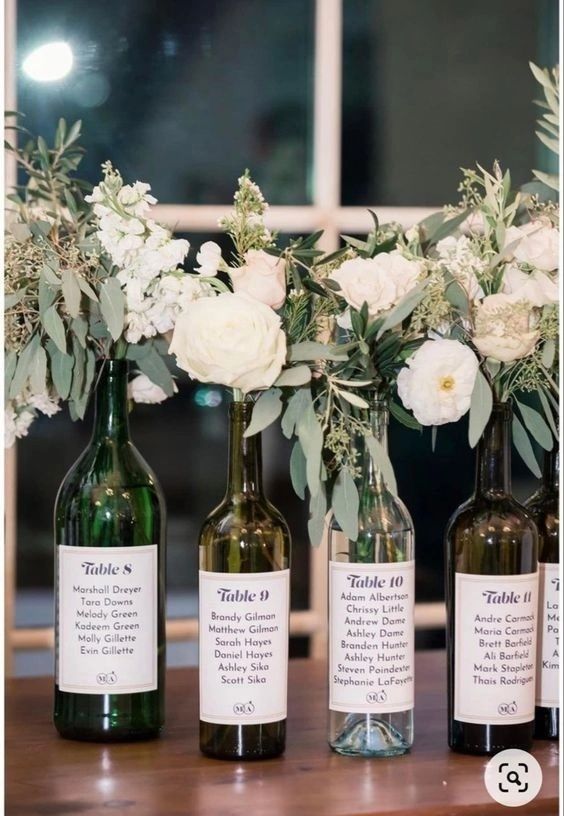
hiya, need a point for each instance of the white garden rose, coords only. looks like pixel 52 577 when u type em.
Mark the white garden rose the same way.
pixel 505 328
pixel 536 287
pixel 536 243
pixel 209 258
pixel 230 340
pixel 262 277
pixel 438 381
pixel 381 282
pixel 142 389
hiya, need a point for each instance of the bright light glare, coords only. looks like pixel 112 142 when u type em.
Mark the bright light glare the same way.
pixel 49 62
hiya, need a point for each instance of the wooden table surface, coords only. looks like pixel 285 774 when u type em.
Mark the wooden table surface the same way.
pixel 49 776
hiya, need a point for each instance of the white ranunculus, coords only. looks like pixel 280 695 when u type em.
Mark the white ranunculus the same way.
pixel 536 243
pixel 262 277
pixel 230 340
pixel 505 328
pixel 438 381
pixel 537 287
pixel 381 282
pixel 209 258
pixel 142 389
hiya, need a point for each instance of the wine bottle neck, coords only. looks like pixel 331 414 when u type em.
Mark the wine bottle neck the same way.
pixel 379 418
pixel 551 469
pixel 111 419
pixel 244 475
pixel 493 471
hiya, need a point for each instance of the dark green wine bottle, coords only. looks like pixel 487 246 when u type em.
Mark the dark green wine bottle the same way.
pixel 110 574
pixel 543 506
pixel 244 611
pixel 491 594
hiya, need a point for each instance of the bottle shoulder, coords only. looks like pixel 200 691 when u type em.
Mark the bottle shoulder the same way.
pixel 110 463
pixel 248 515
pixel 499 512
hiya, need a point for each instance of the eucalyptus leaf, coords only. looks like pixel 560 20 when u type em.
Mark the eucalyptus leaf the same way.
pixel 310 435
pixel 548 413
pixel 524 448
pixel 382 462
pixel 345 502
pixel 21 374
pixel 457 295
pixel 298 375
pixel 404 308
pixel 10 363
pixel 536 425
pixel 354 399
pixel 47 296
pixel 481 403
pixel 112 304
pixel 296 404
pixel 71 292
pixel 80 327
pixel 55 327
pixel 86 288
pixel 317 513
pixel 153 365
pixel 13 298
pixel 548 352
pixel 77 384
pixel 61 371
pixel 298 470
pixel 403 416
pixel 311 350
pixel 50 276
pixel 266 410
pixel 38 371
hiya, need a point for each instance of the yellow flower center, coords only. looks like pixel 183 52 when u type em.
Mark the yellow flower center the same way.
pixel 446 383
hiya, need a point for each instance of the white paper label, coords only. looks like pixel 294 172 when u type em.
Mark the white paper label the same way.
pixel 371 641
pixel 107 619
pixel 244 647
pixel 495 648
pixel 548 648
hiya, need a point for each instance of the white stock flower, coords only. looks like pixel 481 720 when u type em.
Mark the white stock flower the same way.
pixel 536 244
pixel 17 419
pixel 44 403
pixel 262 277
pixel 438 381
pixel 505 328
pixel 142 389
pixel 537 287
pixel 458 257
pixel 474 224
pixel 209 258
pixel 230 340
pixel 381 282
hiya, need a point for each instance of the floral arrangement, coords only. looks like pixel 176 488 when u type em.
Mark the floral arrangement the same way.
pixel 86 277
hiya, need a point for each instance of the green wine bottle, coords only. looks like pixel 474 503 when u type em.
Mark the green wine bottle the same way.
pixel 110 582
pixel 371 633
pixel 244 611
pixel 491 593
pixel 544 507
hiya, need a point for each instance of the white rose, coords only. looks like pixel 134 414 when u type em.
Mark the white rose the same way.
pixel 505 328
pixel 263 277
pixel 536 243
pixel 537 287
pixel 142 389
pixel 209 258
pixel 381 282
pixel 230 340
pixel 438 381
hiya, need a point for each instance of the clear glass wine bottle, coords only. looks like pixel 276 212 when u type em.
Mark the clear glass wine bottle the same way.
pixel 371 634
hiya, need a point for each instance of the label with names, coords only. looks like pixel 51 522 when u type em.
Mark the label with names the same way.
pixel 244 647
pixel 107 619
pixel 548 646
pixel 371 639
pixel 495 648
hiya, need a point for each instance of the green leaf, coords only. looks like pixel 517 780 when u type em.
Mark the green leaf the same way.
pixel 441 227
pixel 21 374
pixel 382 462
pixel 481 404
pixel 298 470
pixel 298 375
pixel 403 416
pixel 317 513
pixel 86 288
pixel 80 327
pixel 524 448
pixel 77 390
pixel 10 363
pixel 354 399
pixel 55 328
pixel 47 296
pixel 153 365
pixel 548 352
pixel 61 371
pixel 112 304
pixel 310 350
pixel 13 298
pixel 266 410
pixel 457 295
pixel 21 232
pixel 536 425
pixel 404 308
pixel 38 370
pixel 297 403
pixel 49 275
pixel 345 503
pixel 71 292
pixel 310 435
pixel 548 413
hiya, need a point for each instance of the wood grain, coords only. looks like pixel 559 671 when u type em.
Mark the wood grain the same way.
pixel 49 776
